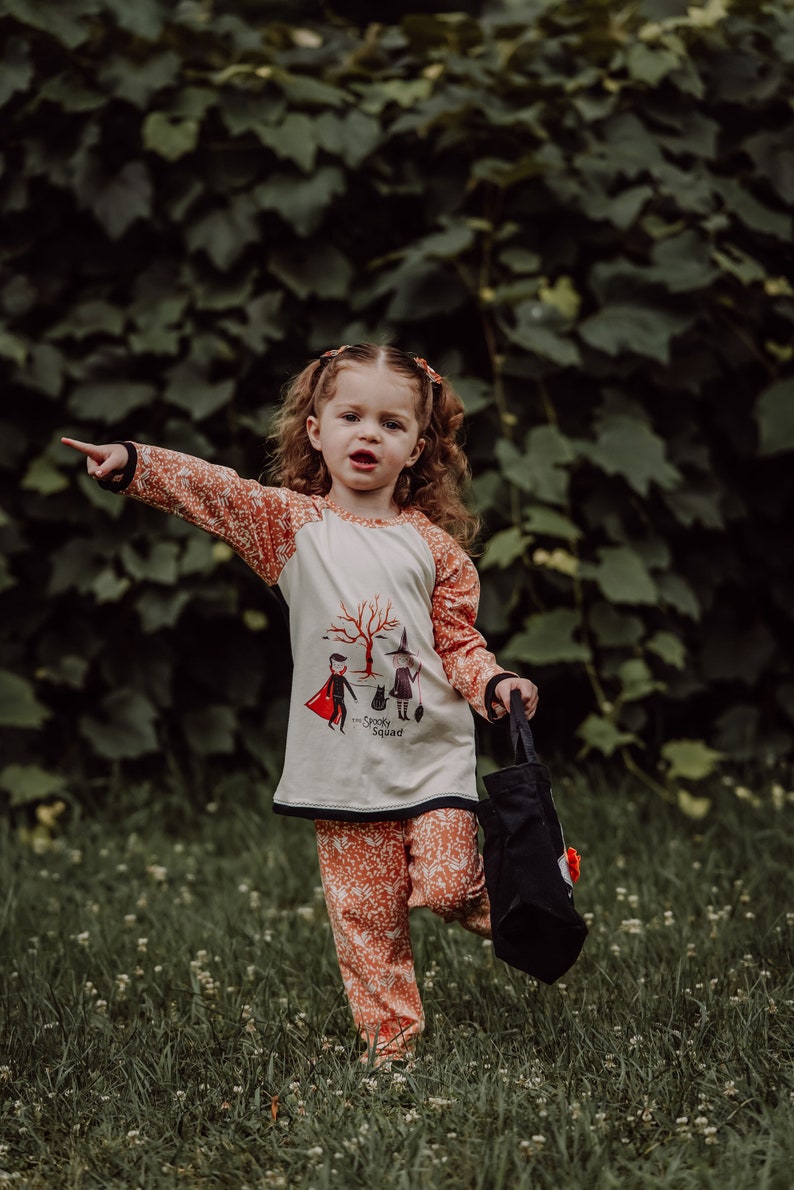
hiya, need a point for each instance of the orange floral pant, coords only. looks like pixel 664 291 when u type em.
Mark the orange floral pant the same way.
pixel 373 874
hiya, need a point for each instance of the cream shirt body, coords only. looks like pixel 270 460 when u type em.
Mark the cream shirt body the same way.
pixel 368 592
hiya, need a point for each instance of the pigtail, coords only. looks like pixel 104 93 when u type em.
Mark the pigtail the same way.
pixel 295 463
pixel 439 478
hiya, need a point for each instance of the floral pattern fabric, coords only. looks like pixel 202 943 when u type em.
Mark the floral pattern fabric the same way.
pixel 373 874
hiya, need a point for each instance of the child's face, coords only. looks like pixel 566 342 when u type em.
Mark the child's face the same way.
pixel 367 432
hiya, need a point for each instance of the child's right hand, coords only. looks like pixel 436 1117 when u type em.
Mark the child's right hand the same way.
pixel 101 461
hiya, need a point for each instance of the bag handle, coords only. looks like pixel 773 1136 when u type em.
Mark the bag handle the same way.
pixel 521 732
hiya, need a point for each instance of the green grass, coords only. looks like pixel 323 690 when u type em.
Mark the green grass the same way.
pixel 172 1013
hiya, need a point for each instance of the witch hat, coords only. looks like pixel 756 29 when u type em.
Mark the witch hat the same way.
pixel 403 647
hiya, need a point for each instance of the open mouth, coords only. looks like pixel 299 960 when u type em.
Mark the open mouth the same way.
pixel 363 458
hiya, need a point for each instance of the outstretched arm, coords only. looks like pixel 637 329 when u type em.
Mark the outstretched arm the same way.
pixel 255 521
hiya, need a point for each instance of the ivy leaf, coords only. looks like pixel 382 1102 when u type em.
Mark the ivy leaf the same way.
pixel 671 649
pixel 109 401
pixel 324 271
pixel 169 136
pixel 94 316
pixel 43 476
pixel 108 587
pixel 161 609
pixel 69 95
pixel 676 592
pixel 144 18
pixel 621 209
pixel 773 154
pixel 691 759
pixel 504 548
pixel 644 330
pixel 774 412
pixel 28 783
pixel 351 137
pixel 547 522
pixel 303 90
pixel 119 201
pixel 752 213
pixel 548 638
pixel 159 565
pixel 650 64
pixel 13 347
pixel 731 259
pixel 302 202
pixel 542 340
pixel 59 20
pixel 636 680
pixel 697 503
pixel 125 730
pixel 189 389
pixel 541 469
pixel 601 735
pixel 683 263
pixel 45 369
pixel 622 576
pixel 628 446
pixel 224 233
pixel 16 71
pixel 614 628
pixel 19 706
pixel 293 139
pixel 138 80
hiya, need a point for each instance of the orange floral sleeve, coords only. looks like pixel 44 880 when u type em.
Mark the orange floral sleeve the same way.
pixel 467 662
pixel 256 521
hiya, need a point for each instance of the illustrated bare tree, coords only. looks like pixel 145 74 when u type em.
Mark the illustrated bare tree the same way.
pixel 364 625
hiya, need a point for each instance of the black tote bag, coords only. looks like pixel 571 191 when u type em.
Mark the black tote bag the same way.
pixel 534 923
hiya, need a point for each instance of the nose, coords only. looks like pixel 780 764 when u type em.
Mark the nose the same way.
pixel 369 430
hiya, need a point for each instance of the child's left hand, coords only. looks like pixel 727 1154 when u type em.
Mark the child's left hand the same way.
pixel 528 691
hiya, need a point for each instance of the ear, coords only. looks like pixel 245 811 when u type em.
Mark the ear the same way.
pixel 313 430
pixel 415 453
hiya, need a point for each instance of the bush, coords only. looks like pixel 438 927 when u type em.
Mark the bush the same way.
pixel 583 213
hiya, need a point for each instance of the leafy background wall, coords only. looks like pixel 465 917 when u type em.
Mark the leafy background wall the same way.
pixel 583 212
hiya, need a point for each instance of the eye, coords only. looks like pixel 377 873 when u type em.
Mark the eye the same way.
pixel 351 417
pixel 393 425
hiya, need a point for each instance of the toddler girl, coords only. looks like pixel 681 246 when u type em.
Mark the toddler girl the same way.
pixel 366 537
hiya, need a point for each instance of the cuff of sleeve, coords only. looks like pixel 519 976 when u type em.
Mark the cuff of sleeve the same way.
pixel 122 478
pixel 488 698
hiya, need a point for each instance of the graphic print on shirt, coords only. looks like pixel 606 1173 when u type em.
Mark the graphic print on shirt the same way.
pixel 364 624
pixel 407 668
pixel 329 701
pixel 362 627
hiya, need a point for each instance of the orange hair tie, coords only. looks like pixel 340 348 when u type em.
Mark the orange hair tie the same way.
pixel 425 366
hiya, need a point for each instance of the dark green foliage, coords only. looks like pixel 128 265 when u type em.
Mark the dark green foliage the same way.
pixel 582 212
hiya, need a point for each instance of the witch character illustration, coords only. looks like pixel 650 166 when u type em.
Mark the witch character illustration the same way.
pixel 329 701
pixel 407 668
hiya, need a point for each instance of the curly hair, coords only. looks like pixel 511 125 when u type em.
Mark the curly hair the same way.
pixel 436 481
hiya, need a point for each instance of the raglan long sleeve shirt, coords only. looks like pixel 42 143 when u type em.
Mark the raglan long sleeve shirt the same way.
pixel 389 606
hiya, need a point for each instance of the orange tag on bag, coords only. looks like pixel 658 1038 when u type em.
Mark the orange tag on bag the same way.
pixel 574 861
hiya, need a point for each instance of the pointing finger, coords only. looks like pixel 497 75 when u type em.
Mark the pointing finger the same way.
pixel 85 448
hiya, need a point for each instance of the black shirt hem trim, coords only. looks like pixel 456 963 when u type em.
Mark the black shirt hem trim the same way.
pixel 393 815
